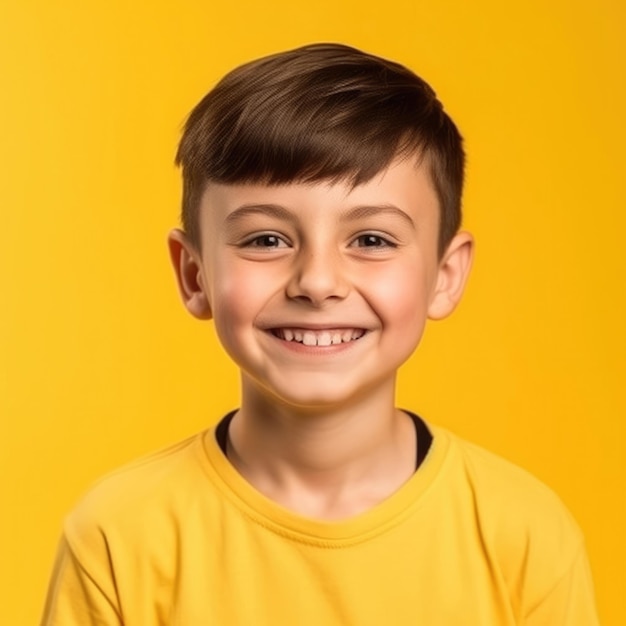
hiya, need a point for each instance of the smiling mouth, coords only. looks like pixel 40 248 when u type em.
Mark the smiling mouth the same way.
pixel 308 337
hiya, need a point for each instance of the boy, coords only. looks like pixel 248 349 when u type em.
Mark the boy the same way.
pixel 321 213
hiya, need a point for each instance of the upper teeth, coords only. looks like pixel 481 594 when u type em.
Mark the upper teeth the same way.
pixel 320 338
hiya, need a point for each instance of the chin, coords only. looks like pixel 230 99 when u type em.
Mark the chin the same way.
pixel 323 396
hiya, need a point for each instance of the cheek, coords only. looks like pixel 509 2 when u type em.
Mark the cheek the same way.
pixel 400 295
pixel 239 294
pixel 401 303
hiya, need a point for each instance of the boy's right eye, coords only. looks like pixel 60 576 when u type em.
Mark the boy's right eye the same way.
pixel 267 242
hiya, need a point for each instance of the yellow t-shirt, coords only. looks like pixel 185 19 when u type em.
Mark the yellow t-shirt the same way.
pixel 181 539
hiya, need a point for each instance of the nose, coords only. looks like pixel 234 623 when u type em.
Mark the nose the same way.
pixel 317 276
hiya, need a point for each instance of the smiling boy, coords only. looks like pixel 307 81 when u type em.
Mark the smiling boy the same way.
pixel 321 213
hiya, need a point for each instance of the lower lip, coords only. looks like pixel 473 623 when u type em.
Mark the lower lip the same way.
pixel 300 348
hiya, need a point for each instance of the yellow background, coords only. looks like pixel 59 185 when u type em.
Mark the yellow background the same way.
pixel 99 363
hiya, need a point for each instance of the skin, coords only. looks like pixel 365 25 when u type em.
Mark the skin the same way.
pixel 318 431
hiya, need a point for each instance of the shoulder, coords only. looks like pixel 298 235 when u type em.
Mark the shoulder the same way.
pixel 138 498
pixel 512 496
pixel 523 525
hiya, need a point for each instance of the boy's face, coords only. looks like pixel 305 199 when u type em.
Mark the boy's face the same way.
pixel 320 292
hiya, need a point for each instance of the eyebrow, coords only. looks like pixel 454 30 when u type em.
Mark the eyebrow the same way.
pixel 281 213
pixel 360 212
pixel 268 210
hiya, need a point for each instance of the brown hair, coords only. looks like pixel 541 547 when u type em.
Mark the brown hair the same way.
pixel 320 112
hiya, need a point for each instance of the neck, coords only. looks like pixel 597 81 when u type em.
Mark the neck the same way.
pixel 323 462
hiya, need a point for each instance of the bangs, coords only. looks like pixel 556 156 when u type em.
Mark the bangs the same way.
pixel 314 141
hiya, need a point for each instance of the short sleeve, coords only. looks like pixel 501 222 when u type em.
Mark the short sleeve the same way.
pixel 75 598
pixel 570 602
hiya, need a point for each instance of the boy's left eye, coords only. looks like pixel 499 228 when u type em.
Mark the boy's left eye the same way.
pixel 371 240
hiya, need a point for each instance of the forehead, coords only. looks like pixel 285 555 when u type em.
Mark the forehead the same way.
pixel 406 185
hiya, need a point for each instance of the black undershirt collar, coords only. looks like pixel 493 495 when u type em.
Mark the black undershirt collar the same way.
pixel 424 436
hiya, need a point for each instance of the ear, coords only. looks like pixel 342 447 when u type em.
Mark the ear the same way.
pixel 454 269
pixel 187 265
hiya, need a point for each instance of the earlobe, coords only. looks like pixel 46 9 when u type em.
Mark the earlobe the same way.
pixel 452 276
pixel 188 270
